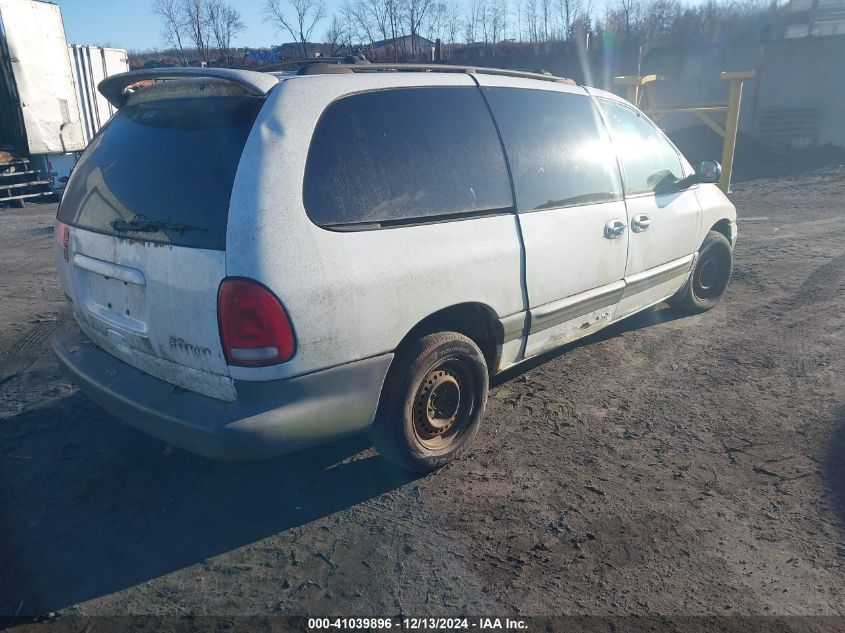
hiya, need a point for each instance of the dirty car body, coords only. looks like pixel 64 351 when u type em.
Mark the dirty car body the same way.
pixel 241 288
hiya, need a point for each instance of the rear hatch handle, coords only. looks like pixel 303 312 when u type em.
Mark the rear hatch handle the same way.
pixel 255 83
pixel 109 269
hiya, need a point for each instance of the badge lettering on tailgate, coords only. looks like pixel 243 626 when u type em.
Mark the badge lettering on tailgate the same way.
pixel 177 342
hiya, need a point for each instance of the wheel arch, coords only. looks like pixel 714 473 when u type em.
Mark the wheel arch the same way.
pixel 723 226
pixel 475 320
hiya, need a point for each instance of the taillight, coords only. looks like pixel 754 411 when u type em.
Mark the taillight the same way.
pixel 254 327
pixel 61 233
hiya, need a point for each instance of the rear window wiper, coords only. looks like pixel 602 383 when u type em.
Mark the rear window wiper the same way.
pixel 145 225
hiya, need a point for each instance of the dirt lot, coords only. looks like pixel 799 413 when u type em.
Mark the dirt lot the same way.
pixel 670 465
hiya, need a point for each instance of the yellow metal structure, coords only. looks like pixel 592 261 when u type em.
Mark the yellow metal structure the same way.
pixel 636 86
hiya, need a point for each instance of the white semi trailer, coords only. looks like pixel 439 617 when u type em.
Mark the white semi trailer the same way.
pixel 49 106
pixel 89 65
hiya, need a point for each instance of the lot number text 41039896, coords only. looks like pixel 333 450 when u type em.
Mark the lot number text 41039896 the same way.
pixel 418 624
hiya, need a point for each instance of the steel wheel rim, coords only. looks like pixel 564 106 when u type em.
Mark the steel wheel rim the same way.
pixel 705 275
pixel 711 278
pixel 443 404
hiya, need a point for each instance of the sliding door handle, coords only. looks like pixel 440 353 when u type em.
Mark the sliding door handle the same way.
pixel 614 228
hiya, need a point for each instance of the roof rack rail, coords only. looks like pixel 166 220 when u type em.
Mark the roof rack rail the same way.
pixel 322 68
pixel 114 88
pixel 295 63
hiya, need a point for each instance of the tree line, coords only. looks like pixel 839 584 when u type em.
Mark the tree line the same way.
pixel 202 27
pixel 210 26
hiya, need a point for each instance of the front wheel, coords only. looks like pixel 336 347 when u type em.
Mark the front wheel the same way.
pixel 432 402
pixel 709 278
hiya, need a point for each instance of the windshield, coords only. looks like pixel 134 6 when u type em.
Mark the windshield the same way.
pixel 162 171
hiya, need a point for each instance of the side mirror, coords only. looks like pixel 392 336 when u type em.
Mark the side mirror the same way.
pixel 708 171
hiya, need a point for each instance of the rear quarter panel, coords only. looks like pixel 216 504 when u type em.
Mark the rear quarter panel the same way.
pixel 352 295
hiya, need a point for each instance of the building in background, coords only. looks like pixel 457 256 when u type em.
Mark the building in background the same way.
pixel 404 47
pixel 815 17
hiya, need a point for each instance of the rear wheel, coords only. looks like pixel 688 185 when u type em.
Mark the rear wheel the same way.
pixel 709 278
pixel 432 402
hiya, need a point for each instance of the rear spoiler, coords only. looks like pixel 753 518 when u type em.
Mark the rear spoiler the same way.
pixel 114 88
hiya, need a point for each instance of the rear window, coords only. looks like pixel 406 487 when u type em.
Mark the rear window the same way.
pixel 405 156
pixel 162 171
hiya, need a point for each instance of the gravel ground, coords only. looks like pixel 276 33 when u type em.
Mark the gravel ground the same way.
pixel 665 466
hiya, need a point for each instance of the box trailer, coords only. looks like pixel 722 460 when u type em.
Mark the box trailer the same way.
pixel 90 65
pixel 39 115
pixel 49 105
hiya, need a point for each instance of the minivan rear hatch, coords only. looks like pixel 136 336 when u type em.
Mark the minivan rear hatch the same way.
pixel 141 229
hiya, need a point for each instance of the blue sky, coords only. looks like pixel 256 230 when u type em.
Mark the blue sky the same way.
pixel 131 24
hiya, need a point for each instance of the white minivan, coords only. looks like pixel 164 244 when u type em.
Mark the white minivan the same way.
pixel 260 262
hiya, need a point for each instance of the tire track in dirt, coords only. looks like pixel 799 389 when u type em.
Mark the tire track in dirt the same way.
pixel 21 352
pixel 823 284
pixel 673 466
pixel 410 515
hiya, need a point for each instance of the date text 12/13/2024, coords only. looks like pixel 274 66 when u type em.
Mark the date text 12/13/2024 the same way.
pixel 417 624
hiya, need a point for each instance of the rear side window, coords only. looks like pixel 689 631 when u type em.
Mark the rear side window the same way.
pixel 404 156
pixel 650 163
pixel 559 151
pixel 162 171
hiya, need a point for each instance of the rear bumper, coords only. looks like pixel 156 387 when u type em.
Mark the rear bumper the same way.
pixel 268 418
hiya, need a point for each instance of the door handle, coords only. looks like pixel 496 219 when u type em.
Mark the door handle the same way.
pixel 614 228
pixel 640 223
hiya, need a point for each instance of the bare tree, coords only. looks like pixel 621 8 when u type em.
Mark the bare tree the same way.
pixel 444 23
pixel 374 20
pixel 335 36
pixel 415 11
pixel 173 24
pixel 498 15
pixel 225 24
pixel 532 20
pixel 474 19
pixel 195 13
pixel 435 23
pixel 568 11
pixel 484 15
pixel 383 17
pixel 660 20
pixel 307 14
pixel 453 22
pixel 359 22
pixel 631 11
pixel 546 14
pixel 517 12
pixel 394 9
pixel 583 24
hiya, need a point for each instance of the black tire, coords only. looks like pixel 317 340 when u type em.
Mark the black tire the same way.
pixel 709 278
pixel 432 402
